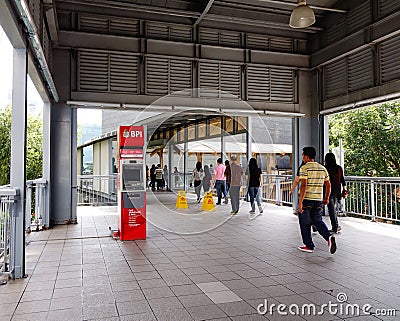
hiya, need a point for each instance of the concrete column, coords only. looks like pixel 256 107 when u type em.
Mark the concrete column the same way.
pixel 46 160
pixel 170 162
pixel 249 140
pixel 63 164
pixel 18 161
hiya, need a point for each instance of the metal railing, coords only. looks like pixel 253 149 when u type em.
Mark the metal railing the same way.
pixel 97 190
pixel 36 214
pixel 374 197
pixel 8 197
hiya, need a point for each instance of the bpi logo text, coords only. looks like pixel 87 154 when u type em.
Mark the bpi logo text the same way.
pixel 132 133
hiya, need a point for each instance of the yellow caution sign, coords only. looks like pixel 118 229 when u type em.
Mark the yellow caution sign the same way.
pixel 181 201
pixel 208 202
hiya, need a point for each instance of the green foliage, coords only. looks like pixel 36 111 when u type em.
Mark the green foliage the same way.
pixel 371 139
pixel 5 150
pixel 34 149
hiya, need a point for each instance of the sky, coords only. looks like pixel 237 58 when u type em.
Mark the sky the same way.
pixel 35 103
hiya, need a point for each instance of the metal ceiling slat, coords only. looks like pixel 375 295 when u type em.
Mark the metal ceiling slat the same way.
pixel 157 30
pixel 230 80
pixel 390 57
pixel 255 41
pixel 124 27
pixel 229 38
pixel 336 32
pixel 93 71
pixel 181 33
pixel 282 86
pixel 180 77
pixel 281 45
pixel 361 72
pixel 209 36
pixel 359 17
pixel 335 78
pixel 258 83
pixel 209 79
pixel 123 73
pixel 93 23
pixel 157 75
pixel 387 7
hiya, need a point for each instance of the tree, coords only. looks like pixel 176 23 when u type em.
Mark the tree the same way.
pixel 34 149
pixel 371 139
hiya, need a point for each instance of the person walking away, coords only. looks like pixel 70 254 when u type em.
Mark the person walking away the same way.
pixel 159 178
pixel 236 180
pixel 166 178
pixel 253 177
pixel 207 179
pixel 153 177
pixel 313 178
pixel 227 174
pixel 337 185
pixel 196 180
pixel 220 181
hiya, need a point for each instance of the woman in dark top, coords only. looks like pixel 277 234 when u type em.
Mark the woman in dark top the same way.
pixel 253 176
pixel 207 179
pixel 337 182
pixel 228 175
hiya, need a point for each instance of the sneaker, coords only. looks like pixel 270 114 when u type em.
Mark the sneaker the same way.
pixel 305 249
pixel 234 212
pixel 332 244
pixel 314 229
pixel 217 203
pixel 198 200
pixel 226 200
pixel 260 209
pixel 252 211
pixel 252 215
pixel 339 228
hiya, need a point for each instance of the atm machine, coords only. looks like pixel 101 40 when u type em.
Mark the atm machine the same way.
pixel 132 182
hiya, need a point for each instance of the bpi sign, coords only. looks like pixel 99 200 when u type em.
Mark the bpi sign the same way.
pixel 131 141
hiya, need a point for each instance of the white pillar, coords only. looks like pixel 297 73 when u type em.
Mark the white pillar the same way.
pixel 18 160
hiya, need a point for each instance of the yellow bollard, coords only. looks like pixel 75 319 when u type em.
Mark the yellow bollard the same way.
pixel 181 201
pixel 208 202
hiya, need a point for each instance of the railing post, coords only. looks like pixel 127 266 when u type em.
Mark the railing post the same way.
pixel 278 190
pixel 372 209
pixel 28 205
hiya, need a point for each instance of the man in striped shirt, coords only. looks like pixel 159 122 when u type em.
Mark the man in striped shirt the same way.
pixel 313 178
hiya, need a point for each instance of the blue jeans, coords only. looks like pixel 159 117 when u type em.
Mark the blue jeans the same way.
pixel 253 194
pixel 312 216
pixel 220 185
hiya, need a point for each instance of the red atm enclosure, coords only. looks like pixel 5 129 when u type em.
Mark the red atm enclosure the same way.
pixel 132 182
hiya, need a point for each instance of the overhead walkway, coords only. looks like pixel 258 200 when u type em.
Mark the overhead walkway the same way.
pixel 78 272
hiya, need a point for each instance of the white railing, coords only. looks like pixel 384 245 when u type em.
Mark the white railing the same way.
pixel 8 197
pixel 36 213
pixel 97 190
pixel 374 197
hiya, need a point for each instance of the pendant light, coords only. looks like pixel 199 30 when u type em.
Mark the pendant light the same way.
pixel 302 16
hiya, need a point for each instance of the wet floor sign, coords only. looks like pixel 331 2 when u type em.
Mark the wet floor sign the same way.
pixel 208 202
pixel 181 201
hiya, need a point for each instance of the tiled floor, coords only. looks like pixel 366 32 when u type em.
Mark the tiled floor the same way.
pixel 203 266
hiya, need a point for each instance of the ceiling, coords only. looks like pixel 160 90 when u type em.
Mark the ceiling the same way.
pixel 262 16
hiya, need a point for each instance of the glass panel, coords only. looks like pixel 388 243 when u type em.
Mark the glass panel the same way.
pixel 201 130
pixel 241 123
pixel 229 125
pixel 191 132
pixel 215 127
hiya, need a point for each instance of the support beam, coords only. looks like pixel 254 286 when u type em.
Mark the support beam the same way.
pixel 18 161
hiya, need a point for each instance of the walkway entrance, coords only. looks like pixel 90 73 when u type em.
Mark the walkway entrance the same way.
pixel 77 272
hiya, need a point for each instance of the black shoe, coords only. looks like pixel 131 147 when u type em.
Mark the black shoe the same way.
pixel 217 203
pixel 332 244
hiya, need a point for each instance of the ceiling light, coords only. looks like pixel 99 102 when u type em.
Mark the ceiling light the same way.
pixel 302 16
